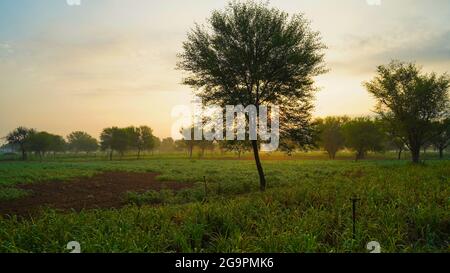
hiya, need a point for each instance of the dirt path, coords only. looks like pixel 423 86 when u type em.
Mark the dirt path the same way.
pixel 105 190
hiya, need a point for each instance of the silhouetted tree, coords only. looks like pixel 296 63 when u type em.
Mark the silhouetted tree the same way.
pixel 114 139
pixel 412 100
pixel 43 142
pixel 251 54
pixel 19 137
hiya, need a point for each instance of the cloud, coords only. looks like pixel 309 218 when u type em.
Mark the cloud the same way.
pixel 98 65
pixel 124 90
pixel 361 54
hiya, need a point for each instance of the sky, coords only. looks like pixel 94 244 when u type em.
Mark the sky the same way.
pixel 112 62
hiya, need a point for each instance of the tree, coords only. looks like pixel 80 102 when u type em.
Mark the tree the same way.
pixel 167 144
pixel 106 140
pixel 39 142
pixel 236 146
pixel 187 143
pixel 57 143
pixel 43 142
pixel 19 137
pixel 411 100
pixel 363 135
pixel 331 137
pixel 180 145
pixel 251 54
pixel 156 144
pixel 441 138
pixel 140 138
pixel 114 139
pixel 82 142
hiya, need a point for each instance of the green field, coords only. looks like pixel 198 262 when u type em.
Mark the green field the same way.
pixel 306 208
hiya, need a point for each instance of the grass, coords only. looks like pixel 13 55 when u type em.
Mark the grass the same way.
pixel 305 209
pixel 9 193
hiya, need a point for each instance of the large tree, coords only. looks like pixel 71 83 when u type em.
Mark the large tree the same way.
pixel 251 54
pixel 19 137
pixel 412 100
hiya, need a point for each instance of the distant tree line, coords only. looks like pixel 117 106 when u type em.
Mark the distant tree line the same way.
pixel 366 134
pixel 331 134
pixel 112 140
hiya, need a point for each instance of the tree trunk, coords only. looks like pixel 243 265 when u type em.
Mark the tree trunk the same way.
pixel 110 155
pixel 400 154
pixel 262 179
pixel 359 155
pixel 415 152
pixel 333 156
pixel 24 155
pixel 139 154
pixel 441 153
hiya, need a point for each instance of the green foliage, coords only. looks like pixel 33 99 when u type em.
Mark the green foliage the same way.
pixel 251 54
pixel 331 137
pixel 129 138
pixel 305 209
pixel 43 142
pixel 411 100
pixel 237 146
pixel 441 137
pixel 20 137
pixel 82 142
pixel 167 145
pixel 363 135
pixel 8 193
pixel 150 197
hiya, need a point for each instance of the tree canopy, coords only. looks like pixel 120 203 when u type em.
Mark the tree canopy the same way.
pixel 362 135
pixel 411 100
pixel 19 137
pixel 82 142
pixel 251 54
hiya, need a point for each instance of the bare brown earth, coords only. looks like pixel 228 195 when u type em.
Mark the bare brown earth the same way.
pixel 105 190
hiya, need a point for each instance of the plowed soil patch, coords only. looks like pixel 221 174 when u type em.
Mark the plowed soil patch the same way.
pixel 105 190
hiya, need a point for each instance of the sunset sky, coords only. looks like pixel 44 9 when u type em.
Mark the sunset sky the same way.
pixel 112 62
